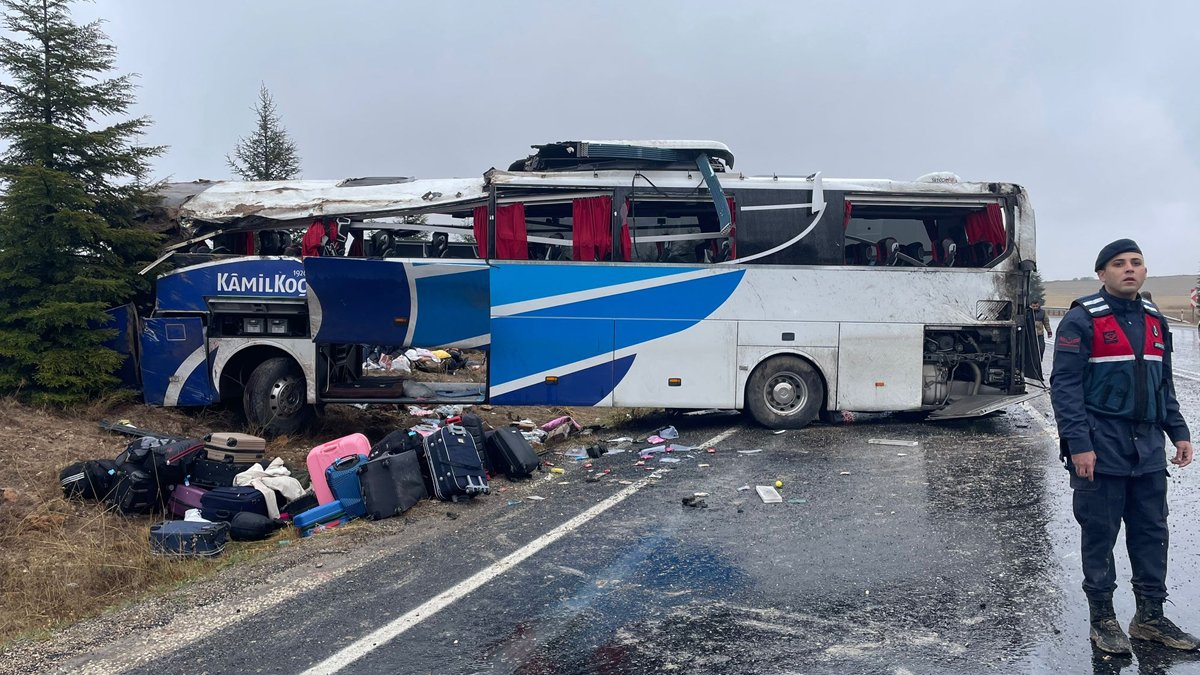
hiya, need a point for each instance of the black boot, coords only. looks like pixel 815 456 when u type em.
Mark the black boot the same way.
pixel 1106 633
pixel 1150 624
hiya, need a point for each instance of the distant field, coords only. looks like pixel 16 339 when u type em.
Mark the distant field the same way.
pixel 1170 293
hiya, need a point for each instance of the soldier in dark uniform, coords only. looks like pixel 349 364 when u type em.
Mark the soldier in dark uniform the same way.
pixel 1113 399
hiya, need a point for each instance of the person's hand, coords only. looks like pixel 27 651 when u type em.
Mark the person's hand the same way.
pixel 1085 464
pixel 1183 454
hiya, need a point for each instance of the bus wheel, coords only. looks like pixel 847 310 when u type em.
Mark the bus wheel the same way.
pixel 275 398
pixel 785 393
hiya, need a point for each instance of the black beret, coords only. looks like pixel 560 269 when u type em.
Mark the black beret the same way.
pixel 1115 249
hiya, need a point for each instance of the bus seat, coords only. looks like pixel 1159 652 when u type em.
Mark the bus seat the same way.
pixel 855 254
pixel 914 250
pixel 887 250
pixel 949 252
pixel 870 254
pixel 981 253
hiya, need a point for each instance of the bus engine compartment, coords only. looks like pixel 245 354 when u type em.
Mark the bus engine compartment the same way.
pixel 965 361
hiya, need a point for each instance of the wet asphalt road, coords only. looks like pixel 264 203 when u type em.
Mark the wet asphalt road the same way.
pixel 958 555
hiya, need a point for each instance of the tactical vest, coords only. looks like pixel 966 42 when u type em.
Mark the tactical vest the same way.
pixel 1119 382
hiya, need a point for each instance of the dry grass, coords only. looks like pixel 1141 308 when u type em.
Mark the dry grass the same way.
pixel 62 561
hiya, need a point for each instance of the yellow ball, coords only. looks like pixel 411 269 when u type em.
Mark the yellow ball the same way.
pixel 778 484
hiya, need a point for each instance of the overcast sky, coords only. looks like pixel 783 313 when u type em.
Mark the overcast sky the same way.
pixel 1092 106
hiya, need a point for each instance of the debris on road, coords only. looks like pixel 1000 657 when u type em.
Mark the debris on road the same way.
pixel 768 494
pixel 536 498
pixel 695 501
pixel 750 452
pixel 892 441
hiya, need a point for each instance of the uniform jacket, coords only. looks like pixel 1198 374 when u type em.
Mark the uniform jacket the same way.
pixel 1123 447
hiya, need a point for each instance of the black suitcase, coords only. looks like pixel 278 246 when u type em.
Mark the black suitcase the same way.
pixel 299 505
pixel 510 454
pixel 223 503
pixel 400 440
pixel 211 473
pixel 391 484
pixel 136 492
pixel 188 539
pixel 453 464
pixel 93 479
pixel 474 425
pixel 169 461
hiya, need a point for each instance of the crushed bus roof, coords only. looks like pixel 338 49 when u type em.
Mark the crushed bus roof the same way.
pixel 302 199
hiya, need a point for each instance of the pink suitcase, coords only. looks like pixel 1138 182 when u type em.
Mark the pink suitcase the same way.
pixel 184 497
pixel 320 457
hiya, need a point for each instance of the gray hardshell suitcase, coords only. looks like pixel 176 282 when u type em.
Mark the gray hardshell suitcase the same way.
pixel 235 448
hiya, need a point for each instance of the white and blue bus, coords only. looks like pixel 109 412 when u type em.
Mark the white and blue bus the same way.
pixel 617 273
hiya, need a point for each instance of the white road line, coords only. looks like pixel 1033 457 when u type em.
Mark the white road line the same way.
pixel 397 627
pixel 1042 420
pixel 1186 374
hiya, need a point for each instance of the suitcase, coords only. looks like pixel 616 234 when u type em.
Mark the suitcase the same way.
pixel 168 462
pixel 211 473
pixel 222 503
pixel 235 448
pixel 392 484
pixel 320 518
pixel 188 539
pixel 453 464
pixel 184 497
pixel 510 454
pixel 342 477
pixel 400 440
pixel 320 457
pixel 136 492
pixel 93 479
pixel 474 426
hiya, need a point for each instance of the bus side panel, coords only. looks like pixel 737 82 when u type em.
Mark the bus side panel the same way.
pixel 395 302
pixel 700 357
pixel 174 362
pixel 525 351
pixel 879 366
pixel 124 320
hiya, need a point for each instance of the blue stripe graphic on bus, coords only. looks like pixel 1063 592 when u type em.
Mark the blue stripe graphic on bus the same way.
pixel 518 283
pixel 557 337
pixel 694 300
pixel 185 290
pixel 523 346
pixel 584 387
pixel 451 308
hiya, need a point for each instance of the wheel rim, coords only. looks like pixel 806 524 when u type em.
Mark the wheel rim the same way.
pixel 785 393
pixel 287 396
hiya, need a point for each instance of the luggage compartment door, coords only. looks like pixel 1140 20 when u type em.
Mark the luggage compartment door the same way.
pixel 879 366
pixel 551 361
pixel 174 362
pixel 692 367
pixel 405 303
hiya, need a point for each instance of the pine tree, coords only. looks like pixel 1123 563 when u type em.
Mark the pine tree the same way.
pixel 69 244
pixel 1037 290
pixel 268 153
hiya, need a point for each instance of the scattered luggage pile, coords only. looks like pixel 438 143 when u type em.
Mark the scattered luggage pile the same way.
pixel 219 487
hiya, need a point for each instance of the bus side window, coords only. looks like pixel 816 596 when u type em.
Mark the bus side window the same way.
pixel 686 230
pixel 916 235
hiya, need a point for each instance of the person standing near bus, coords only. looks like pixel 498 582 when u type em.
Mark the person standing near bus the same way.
pixel 1113 398
pixel 1041 324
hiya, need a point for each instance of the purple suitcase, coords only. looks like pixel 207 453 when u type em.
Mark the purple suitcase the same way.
pixel 184 497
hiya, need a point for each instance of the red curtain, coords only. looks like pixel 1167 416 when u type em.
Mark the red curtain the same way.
pixel 846 216
pixel 311 243
pixel 591 230
pixel 481 230
pixel 987 225
pixel 512 242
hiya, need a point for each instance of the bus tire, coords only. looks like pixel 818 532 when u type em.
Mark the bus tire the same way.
pixel 275 399
pixel 785 392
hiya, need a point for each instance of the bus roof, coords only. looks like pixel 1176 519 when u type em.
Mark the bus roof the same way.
pixel 302 199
